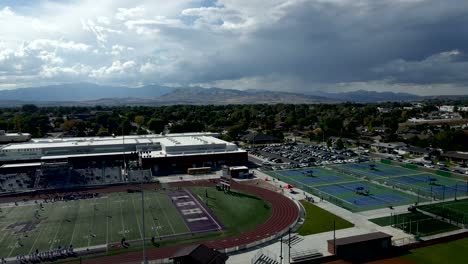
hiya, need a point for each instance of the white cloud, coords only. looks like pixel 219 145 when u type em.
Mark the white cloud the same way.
pixel 50 58
pixel 6 12
pixel 103 20
pixel 40 44
pixel 129 13
pixel 293 45
pixel 101 33
pixel 77 70
pixel 116 69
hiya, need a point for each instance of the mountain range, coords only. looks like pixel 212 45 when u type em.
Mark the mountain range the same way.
pixel 93 94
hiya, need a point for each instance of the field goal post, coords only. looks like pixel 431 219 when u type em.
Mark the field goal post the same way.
pixel 224 183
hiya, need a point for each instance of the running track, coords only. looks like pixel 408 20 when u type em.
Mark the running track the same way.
pixel 284 213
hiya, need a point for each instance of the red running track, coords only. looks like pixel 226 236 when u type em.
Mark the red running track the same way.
pixel 284 213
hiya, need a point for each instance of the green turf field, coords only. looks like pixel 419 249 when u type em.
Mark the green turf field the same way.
pixel 235 209
pixel 456 211
pixel 416 223
pixel 89 222
pixel 454 252
pixel 108 218
pixel 319 220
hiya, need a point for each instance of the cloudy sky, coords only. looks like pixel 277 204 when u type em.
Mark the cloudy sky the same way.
pixel 417 46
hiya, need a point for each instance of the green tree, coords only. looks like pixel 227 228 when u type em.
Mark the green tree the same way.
pixel 139 120
pixel 339 144
pixel 156 125
pixel 103 132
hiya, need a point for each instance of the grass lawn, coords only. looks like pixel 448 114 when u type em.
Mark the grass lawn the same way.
pixel 452 252
pixel 238 211
pixel 416 223
pixel 318 220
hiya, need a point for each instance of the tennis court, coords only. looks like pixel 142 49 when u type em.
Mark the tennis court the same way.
pixel 442 187
pixel 367 196
pixel 314 176
pixel 376 170
pixel 345 190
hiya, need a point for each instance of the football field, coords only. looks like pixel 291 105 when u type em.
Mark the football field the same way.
pixel 97 221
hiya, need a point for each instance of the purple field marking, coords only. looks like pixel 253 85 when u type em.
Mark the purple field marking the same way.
pixel 206 220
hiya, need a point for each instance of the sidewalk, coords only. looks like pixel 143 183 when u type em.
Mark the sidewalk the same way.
pixel 319 241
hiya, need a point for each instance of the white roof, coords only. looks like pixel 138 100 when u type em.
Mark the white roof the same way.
pixel 167 140
pixel 159 154
pixel 238 168
pixel 32 164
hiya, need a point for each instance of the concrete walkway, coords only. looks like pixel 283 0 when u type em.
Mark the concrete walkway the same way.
pixel 319 241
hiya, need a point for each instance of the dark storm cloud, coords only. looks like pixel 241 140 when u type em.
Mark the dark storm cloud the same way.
pixel 323 42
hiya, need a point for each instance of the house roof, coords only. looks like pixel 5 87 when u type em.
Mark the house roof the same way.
pixel 419 149
pixel 455 154
pixel 259 137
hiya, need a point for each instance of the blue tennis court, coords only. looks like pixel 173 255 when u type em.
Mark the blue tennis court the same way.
pixel 333 189
pixel 376 169
pixel 414 179
pixel 295 173
pixel 321 180
pixel 364 201
pixel 449 190
pixel 377 199
pixel 391 197
pixel 342 188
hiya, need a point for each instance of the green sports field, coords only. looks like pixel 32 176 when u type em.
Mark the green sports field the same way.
pixel 319 220
pixel 87 222
pixel 106 219
pixel 453 252
pixel 456 211
pixel 416 223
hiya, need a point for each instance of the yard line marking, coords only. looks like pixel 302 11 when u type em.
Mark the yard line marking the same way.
pixel 74 227
pixel 35 241
pixel 107 224
pixel 4 228
pixel 152 216
pixel 138 222
pixel 165 215
pixel 7 234
pixel 58 229
pixel 121 218
pixel 12 249
pixel 91 228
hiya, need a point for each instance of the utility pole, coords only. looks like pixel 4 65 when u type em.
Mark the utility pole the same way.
pixel 123 151
pixel 289 246
pixel 456 188
pixel 334 238
pixel 145 257
pixel 281 250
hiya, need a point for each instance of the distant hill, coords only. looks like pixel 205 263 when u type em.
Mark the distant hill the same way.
pixel 362 96
pixel 93 94
pixel 80 92
pixel 197 95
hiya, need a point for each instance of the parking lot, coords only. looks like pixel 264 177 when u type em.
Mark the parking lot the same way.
pixel 286 156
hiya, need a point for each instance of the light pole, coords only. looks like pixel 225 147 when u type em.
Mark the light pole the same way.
pixel 145 257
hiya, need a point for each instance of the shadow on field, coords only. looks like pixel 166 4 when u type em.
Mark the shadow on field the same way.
pixel 238 194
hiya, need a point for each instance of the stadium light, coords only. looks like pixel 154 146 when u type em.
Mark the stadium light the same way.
pixel 145 256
